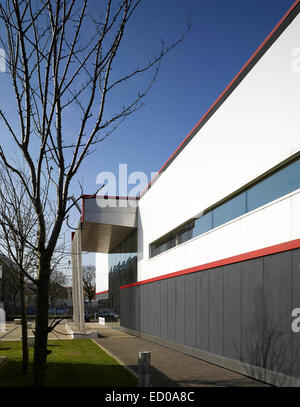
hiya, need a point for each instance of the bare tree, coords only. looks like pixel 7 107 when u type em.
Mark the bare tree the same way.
pixel 61 63
pixel 89 281
pixel 57 287
pixel 18 231
pixel 17 222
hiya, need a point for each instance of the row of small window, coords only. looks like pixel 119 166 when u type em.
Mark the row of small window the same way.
pixel 280 183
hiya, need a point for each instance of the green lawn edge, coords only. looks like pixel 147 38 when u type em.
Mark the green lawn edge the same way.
pixel 72 363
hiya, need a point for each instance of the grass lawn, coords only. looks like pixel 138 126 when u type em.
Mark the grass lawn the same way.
pixel 76 362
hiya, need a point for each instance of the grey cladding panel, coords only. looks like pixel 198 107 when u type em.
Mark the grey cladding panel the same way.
pixel 156 310
pixel 201 285
pixel 171 308
pixel 277 311
pixel 189 310
pixel 151 308
pixel 164 308
pixel 232 311
pixel 145 313
pixel 137 323
pixel 252 311
pixel 142 305
pixel 216 310
pixel 179 307
pixel 133 307
pixel 127 307
pixel 296 304
pixel 241 311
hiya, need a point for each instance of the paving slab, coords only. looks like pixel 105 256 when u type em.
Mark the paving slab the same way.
pixel 169 368
pixel 14 332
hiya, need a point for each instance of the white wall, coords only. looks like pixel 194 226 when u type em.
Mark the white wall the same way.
pixel 101 272
pixel 269 225
pixel 256 128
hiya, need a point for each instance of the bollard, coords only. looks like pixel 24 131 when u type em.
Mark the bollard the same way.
pixel 144 369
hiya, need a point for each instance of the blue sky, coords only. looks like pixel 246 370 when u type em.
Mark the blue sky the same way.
pixel 224 34
pixel 223 37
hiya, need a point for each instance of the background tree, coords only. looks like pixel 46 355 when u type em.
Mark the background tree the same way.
pixel 11 285
pixel 60 69
pixel 89 282
pixel 57 288
pixel 18 230
pixel 17 222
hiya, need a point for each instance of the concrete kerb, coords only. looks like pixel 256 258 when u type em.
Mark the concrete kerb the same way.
pixel 117 359
pixel 77 334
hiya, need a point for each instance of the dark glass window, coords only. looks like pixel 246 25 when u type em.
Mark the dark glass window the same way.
pixel 185 233
pixel 279 184
pixel 229 210
pixel 203 224
pixel 162 245
pixel 122 270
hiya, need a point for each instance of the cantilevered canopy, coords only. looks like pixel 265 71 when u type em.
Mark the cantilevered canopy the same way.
pixel 106 222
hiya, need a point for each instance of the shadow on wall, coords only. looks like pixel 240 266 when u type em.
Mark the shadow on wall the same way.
pixel 268 349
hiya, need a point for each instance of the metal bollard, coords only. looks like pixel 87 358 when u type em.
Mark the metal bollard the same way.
pixel 144 369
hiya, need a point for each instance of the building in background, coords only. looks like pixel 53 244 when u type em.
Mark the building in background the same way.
pixel 9 286
pixel 207 259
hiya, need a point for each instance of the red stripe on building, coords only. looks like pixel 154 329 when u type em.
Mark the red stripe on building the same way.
pixel 282 247
pixel 102 292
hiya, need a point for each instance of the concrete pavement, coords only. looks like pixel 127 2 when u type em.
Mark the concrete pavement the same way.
pixel 169 368
pixel 14 332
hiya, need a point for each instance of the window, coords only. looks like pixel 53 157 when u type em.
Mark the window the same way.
pixel 162 245
pixel 280 183
pixel 273 187
pixel 229 210
pixel 203 224
pixel 123 269
pixel 185 233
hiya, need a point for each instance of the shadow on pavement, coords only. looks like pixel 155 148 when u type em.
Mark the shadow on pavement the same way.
pixel 69 375
pixel 158 379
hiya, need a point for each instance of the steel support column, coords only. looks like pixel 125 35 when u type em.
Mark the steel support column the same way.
pixel 78 301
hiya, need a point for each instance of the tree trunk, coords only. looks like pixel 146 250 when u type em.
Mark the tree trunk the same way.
pixel 41 327
pixel 24 326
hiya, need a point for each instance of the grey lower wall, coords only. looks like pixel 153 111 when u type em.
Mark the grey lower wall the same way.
pixel 239 312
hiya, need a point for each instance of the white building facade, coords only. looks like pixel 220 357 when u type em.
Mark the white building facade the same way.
pixel 213 263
